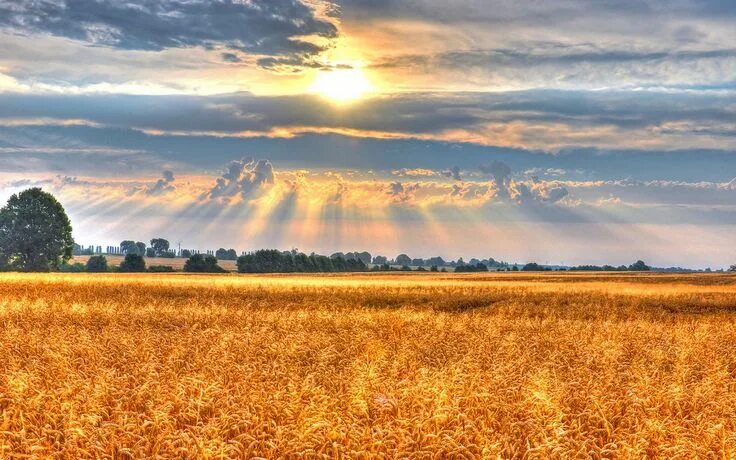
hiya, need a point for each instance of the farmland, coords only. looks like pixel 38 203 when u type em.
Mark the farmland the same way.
pixel 323 366
pixel 177 263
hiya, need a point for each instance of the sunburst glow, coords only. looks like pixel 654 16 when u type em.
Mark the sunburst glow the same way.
pixel 343 85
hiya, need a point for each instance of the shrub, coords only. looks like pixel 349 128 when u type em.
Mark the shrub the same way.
pixel 161 269
pixel 133 263
pixel 199 263
pixel 72 268
pixel 97 264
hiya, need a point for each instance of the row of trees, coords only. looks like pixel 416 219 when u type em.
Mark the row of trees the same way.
pixel 160 247
pixel 263 261
pixel 405 260
pixel 274 261
pixel 135 263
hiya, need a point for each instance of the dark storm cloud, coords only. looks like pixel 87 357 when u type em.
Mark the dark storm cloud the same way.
pixel 271 27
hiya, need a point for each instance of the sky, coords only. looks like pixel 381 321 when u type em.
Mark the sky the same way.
pixel 561 132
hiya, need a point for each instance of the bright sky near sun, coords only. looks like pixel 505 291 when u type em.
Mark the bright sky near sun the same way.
pixel 342 85
pixel 560 131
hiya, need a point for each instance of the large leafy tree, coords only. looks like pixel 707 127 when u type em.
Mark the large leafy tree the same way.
pixel 160 246
pixel 35 232
pixel 128 247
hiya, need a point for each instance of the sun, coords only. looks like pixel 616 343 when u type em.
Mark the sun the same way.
pixel 342 85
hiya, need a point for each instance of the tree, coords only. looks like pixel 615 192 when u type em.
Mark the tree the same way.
pixel 199 263
pixel 403 259
pixel 380 260
pixel 438 261
pixel 639 266
pixel 532 267
pixel 133 263
pixel 226 254
pixel 141 247
pixel 128 247
pixel 160 246
pixel 732 268
pixel 150 252
pixel 471 268
pixel 186 253
pixel 35 232
pixel 365 257
pixel 273 261
pixel 97 264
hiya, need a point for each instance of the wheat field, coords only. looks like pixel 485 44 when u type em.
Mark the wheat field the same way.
pixel 366 366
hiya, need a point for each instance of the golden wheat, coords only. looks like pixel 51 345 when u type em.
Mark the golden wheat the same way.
pixel 474 366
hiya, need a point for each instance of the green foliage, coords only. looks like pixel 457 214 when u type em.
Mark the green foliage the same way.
pixel 226 254
pixel 128 247
pixel 732 268
pixel 161 269
pixel 97 264
pixel 199 263
pixel 273 261
pixel 471 268
pixel 403 259
pixel 532 267
pixel 160 247
pixel 186 253
pixel 639 266
pixel 131 247
pixel 78 250
pixel 73 268
pixel 35 232
pixel 133 263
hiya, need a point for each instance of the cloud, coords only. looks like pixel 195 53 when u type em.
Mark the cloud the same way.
pixel 501 173
pixel 548 120
pixel 163 185
pixel 555 194
pixel 231 57
pixel 453 172
pixel 414 172
pixel 270 28
pixel 244 177
pixel 400 193
pixel 341 192
pixel 521 192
